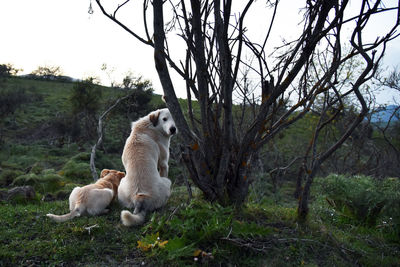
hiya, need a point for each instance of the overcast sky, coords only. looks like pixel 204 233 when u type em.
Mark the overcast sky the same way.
pixel 63 33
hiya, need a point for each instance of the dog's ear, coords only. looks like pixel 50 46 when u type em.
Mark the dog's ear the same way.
pixel 104 173
pixel 154 118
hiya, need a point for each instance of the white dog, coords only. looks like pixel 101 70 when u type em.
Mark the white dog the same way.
pixel 92 199
pixel 145 158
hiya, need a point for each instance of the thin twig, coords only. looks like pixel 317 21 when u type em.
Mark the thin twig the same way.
pixel 89 228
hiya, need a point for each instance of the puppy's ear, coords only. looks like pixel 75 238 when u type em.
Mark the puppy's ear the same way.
pixel 154 118
pixel 104 173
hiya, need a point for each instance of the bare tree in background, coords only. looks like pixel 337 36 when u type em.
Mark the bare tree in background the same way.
pixel 392 82
pixel 48 72
pixel 217 155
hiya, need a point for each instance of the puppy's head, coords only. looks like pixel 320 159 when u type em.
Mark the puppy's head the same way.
pixel 115 178
pixel 163 121
pixel 104 172
pixel 113 175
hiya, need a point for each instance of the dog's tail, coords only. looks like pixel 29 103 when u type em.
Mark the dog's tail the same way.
pixel 129 219
pixel 139 214
pixel 66 217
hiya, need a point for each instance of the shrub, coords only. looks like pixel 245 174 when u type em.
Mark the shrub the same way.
pixel 66 125
pixel 85 97
pixel 108 161
pixel 362 198
pixel 11 99
pixel 81 157
pixel 43 183
pixel 85 102
pixel 77 169
pixel 36 168
pixel 61 194
pixel 8 176
pixel 7 70
pixel 25 179
pixel 391 190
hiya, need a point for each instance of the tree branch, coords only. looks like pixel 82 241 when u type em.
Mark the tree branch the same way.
pixel 100 134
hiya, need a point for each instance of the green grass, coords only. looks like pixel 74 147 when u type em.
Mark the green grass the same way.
pixel 29 237
pixel 188 234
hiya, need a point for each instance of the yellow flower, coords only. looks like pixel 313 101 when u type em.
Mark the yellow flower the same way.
pixel 143 246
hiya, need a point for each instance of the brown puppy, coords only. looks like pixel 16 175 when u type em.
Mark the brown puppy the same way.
pixel 92 199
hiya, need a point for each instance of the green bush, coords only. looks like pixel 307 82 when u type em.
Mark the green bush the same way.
pixel 76 171
pixel 63 193
pixel 43 183
pixel 8 176
pixel 11 99
pixel 81 157
pixel 85 96
pixel 26 179
pixel 37 168
pixel 108 161
pixel 361 198
pixel 391 190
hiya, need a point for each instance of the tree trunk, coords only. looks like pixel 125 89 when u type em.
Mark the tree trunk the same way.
pixel 299 182
pixel 303 209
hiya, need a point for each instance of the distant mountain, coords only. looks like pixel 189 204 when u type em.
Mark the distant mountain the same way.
pixel 384 114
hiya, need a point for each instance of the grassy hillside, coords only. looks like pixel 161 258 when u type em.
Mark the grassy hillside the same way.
pixel 353 220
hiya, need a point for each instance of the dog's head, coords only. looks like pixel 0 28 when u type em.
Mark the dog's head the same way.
pixel 112 175
pixel 163 121
pixel 111 179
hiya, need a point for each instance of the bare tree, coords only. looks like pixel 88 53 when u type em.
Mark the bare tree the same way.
pixel 218 156
pixel 48 72
pixel 392 82
pixel 109 72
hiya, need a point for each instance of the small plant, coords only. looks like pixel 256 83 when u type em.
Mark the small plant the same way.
pixel 150 242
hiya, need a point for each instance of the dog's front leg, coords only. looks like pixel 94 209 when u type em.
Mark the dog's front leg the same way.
pixel 163 168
